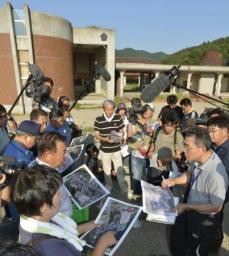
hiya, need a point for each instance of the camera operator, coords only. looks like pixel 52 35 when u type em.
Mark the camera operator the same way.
pixel 139 135
pixel 64 105
pixel 45 101
pixel 4 138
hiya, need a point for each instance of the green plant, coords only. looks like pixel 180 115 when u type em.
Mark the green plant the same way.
pixel 78 106
pixel 88 129
pixel 118 100
pixel 131 88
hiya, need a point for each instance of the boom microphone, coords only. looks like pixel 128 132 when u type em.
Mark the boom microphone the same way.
pixel 164 80
pixel 35 71
pixel 101 71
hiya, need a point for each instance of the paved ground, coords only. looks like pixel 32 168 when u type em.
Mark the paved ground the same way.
pixel 150 238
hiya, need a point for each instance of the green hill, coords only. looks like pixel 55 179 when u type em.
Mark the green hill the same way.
pixel 195 54
pixel 140 54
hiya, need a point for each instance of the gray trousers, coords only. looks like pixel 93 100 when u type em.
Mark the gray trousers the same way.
pixel 116 158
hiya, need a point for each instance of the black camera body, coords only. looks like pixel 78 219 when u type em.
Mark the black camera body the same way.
pixel 135 110
pixel 7 166
pixel 133 113
pixel 36 89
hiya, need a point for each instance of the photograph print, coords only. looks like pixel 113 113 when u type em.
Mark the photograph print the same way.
pixel 84 139
pixel 75 151
pixel 74 158
pixel 84 188
pixel 115 216
pixel 158 202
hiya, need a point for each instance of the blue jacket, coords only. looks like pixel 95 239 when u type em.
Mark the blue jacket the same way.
pixel 23 155
pixel 63 130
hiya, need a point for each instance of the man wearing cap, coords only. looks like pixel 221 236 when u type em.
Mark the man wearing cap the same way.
pixel 140 134
pixel 24 140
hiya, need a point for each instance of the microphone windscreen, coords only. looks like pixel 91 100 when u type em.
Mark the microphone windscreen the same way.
pixel 100 70
pixel 152 90
pixel 35 71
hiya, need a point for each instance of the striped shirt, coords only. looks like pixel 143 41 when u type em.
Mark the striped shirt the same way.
pixel 105 127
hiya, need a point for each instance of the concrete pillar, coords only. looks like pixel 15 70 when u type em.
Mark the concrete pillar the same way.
pixel 124 82
pixel 110 66
pixel 28 101
pixel 20 107
pixel 139 80
pixel 122 73
pixel 189 80
pixel 218 84
pixel 173 90
pixel 157 74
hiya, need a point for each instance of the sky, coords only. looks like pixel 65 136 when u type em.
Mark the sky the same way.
pixel 150 25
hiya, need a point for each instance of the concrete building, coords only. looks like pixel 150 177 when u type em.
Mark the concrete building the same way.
pixel 207 79
pixel 62 52
pixel 67 54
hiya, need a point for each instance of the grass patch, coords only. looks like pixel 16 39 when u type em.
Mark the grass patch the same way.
pixel 131 88
pixel 88 129
pixel 78 106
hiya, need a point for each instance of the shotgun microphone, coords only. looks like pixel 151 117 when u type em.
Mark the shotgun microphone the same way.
pixel 101 71
pixel 159 84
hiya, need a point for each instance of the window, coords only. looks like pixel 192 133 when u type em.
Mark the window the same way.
pixel 19 22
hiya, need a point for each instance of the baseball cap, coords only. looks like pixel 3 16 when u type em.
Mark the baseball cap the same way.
pixel 148 107
pixel 29 127
pixel 121 106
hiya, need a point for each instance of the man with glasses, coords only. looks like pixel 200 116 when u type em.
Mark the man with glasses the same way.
pixel 218 128
pixel 207 182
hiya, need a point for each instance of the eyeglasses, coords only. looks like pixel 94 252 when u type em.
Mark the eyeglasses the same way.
pixel 187 147
pixel 213 130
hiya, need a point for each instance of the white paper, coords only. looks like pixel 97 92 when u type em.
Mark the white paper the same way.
pixel 84 188
pixel 159 203
pixel 116 216
pixel 125 150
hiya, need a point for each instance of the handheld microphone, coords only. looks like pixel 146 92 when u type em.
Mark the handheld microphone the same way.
pixel 101 71
pixel 163 81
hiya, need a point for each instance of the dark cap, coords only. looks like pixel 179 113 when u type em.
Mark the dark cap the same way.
pixel 29 127
pixel 121 106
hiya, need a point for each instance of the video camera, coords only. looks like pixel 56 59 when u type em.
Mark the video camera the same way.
pixel 208 112
pixel 36 88
pixel 7 166
pixel 135 109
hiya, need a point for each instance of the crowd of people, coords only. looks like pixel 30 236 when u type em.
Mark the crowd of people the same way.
pixel 173 150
